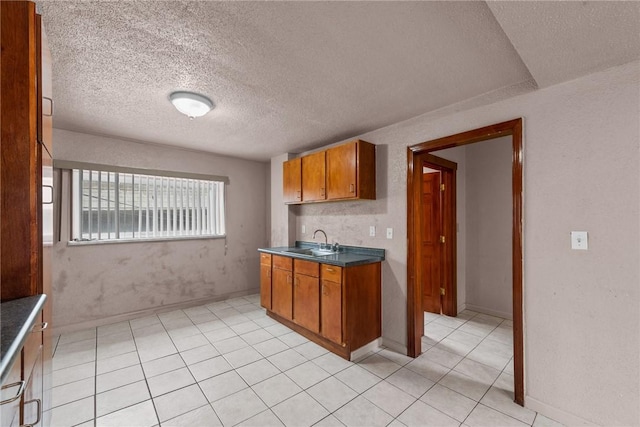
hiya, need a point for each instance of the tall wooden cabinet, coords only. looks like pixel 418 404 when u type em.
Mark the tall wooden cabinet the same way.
pixel 26 189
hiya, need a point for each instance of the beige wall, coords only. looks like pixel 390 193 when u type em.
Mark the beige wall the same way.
pixel 282 218
pixel 93 282
pixel 581 145
pixel 489 221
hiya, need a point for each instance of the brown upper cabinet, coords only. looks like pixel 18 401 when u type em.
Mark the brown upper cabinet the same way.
pixel 292 180
pixel 351 171
pixel 345 172
pixel 313 177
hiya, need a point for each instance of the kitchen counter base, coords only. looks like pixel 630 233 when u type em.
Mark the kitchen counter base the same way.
pixel 344 352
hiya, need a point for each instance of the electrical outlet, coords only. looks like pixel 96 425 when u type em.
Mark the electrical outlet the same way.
pixel 372 231
pixel 579 240
pixel 389 233
pixel 304 229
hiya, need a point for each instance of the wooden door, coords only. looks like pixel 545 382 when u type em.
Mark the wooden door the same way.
pixel 431 231
pixel 331 311
pixel 292 180
pixel 306 302
pixel 313 177
pixel 341 171
pixel 282 293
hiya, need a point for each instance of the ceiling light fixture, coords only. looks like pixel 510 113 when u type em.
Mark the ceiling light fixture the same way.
pixel 191 104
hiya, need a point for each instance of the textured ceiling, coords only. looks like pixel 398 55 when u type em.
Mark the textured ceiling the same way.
pixel 562 40
pixel 291 76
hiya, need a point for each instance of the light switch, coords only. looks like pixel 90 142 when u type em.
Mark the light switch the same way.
pixel 579 240
pixel 304 229
pixel 372 231
pixel 389 233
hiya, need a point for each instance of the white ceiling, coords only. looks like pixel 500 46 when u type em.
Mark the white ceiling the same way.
pixel 292 76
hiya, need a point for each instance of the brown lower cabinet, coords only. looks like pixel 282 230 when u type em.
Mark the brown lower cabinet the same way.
pixel 282 287
pixel 265 281
pixel 306 295
pixel 338 308
pixel 331 303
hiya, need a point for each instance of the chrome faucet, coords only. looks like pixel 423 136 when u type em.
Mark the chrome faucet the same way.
pixel 326 241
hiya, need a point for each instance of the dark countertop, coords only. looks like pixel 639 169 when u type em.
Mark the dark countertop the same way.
pixel 17 318
pixel 347 256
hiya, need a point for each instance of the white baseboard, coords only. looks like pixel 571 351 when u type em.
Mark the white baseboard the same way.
pixel 554 413
pixel 461 308
pixel 372 346
pixel 59 330
pixel 484 310
pixel 394 345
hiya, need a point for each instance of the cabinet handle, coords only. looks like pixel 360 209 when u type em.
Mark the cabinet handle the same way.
pixel 289 279
pixel 22 384
pixel 50 108
pixel 322 191
pixel 352 188
pixel 269 273
pixel 42 325
pixel 299 196
pixel 324 290
pixel 47 200
pixel 330 270
pixel 39 402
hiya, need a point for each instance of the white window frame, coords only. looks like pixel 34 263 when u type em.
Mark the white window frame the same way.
pixel 179 205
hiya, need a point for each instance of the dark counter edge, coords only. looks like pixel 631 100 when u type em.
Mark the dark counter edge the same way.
pixel 17 318
pixel 359 255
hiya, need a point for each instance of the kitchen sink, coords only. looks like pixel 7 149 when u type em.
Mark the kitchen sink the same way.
pixel 310 252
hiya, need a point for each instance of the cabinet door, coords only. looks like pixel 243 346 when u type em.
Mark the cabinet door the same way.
pixel 331 311
pixel 265 286
pixel 292 181
pixel 32 406
pixel 306 302
pixel 282 293
pixel 313 177
pixel 10 411
pixel 341 171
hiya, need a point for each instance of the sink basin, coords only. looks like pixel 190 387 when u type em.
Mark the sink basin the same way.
pixel 310 252
pixel 322 252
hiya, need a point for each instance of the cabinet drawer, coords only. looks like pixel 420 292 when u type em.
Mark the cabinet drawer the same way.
pixel 283 262
pixel 265 259
pixel 331 273
pixel 308 268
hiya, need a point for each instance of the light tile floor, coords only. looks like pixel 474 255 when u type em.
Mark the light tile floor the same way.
pixel 229 364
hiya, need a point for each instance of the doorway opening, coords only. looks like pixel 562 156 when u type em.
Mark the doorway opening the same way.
pixel 416 161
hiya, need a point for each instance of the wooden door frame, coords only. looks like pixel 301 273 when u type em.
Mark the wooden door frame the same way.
pixel 449 303
pixel 415 317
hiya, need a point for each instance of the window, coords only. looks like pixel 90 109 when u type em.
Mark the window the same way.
pixel 123 206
